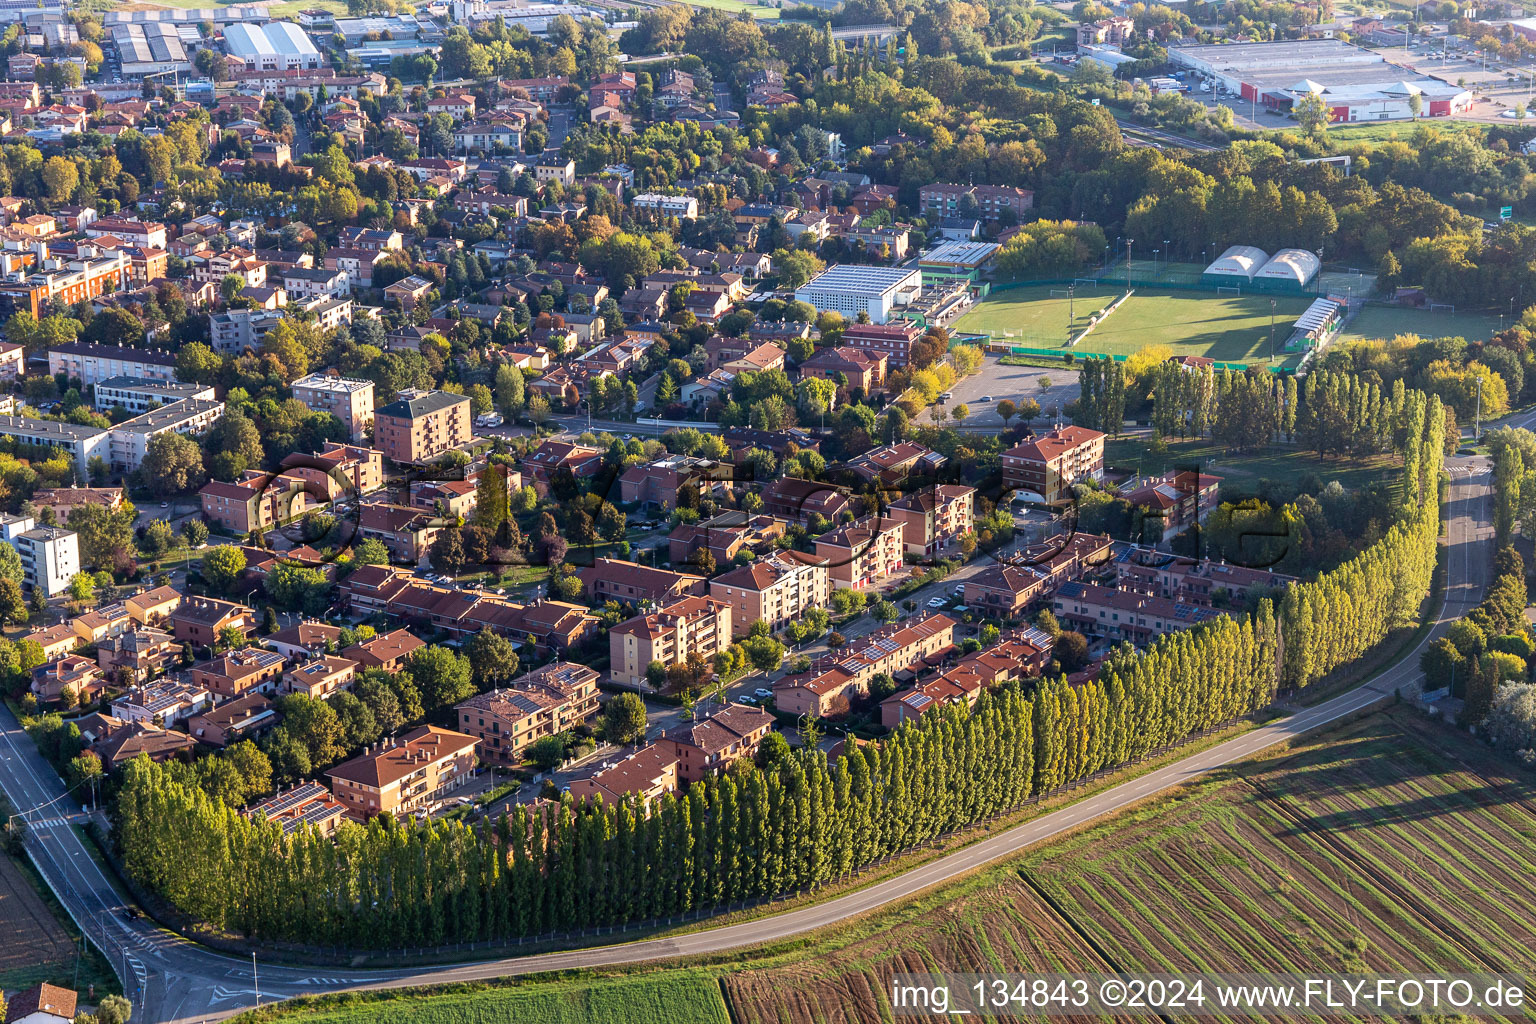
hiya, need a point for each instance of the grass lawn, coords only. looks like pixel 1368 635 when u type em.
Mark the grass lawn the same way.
pixel 1031 316
pixel 1274 463
pixel 736 7
pixel 1387 131
pixel 1227 328
pixel 1385 322
pixel 640 998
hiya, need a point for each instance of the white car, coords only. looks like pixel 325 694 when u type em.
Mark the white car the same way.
pixel 936 602
pixel 762 693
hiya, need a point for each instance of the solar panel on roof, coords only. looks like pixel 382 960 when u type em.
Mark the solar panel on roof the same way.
pixel 276 805
pixel 522 702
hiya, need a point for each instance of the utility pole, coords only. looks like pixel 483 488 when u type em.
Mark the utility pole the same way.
pixel 1477 422
pixel 1271 332
pixel 1128 242
pixel 1071 307
pixel 255 980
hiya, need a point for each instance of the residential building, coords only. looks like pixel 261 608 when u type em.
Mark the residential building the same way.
pixel 671 636
pixel 163 703
pixel 776 590
pixel 851 289
pixel 13 359
pixel 834 681
pixel 552 167
pixel 550 457
pixel 306 805
pixel 407 532
pixel 137 654
pixel 611 579
pixel 1176 499
pixel 152 607
pixel 305 283
pixel 649 773
pixel 419 428
pixel 56 641
pixel 1044 468
pixel 337 470
pixel 896 464
pixel 657 204
pixel 657 483
pixel 129 441
pixel 50 557
pixel 389 651
pixel 545 702
pixel 405 775
pixel 1016 655
pixel 1007 589
pixel 137 394
pixel 236 330
pixel 258 501
pixel 305 640
pixel 1204 583
pixel 199 620
pixel 41 1004
pixel 723 536
pixel 1123 614
pixel 861 369
pixel 240 673
pixel 934 517
pixel 146 234
pixel 349 400
pixel 894 341
pixel 81 443
pixel 98 624
pixel 321 677
pixel 798 500
pixel 64 500
pixel 863 552
pixel 81 676
pixel 991 202
pixel 131 740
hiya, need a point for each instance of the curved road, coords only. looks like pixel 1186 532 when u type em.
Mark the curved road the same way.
pixel 171 979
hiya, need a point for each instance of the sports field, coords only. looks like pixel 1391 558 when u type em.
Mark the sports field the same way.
pixel 736 7
pixel 1382 323
pixel 1034 316
pixel 1227 328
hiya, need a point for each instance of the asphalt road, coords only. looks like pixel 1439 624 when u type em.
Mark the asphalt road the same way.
pixel 171 979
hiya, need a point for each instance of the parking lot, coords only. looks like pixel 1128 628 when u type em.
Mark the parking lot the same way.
pixel 995 382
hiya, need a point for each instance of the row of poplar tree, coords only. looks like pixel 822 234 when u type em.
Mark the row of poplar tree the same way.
pixel 799 823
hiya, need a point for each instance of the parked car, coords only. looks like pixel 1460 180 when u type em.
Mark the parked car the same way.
pixel 762 693
pixel 936 602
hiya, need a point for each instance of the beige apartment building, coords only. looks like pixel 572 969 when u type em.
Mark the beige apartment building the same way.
pixel 420 426
pixel 934 517
pixel 348 399
pixel 543 703
pixel 693 625
pixel 863 552
pixel 834 681
pixel 776 590
pixel 407 774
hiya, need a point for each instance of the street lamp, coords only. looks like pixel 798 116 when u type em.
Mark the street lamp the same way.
pixel 1167 253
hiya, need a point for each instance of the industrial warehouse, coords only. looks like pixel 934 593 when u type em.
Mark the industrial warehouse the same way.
pixel 1357 85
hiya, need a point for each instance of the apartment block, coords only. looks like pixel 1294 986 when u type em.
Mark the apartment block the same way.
pixel 249 670
pixel 422 426
pixel 671 635
pixel 1044 468
pixel 321 677
pixel 199 620
pixel 96 363
pixel 349 400
pixel 50 557
pixel 404 775
pixel 934 517
pixel 545 702
pixel 718 736
pixel 863 552
pixel 776 590
pixel 611 579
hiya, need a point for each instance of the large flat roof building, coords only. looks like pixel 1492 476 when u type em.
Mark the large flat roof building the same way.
pixel 150 48
pixel 851 289
pixel 1357 84
pixel 275 46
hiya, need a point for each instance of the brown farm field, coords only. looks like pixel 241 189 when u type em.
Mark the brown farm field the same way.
pixel 1392 844
pixel 33 945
